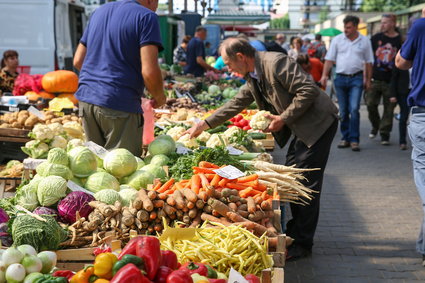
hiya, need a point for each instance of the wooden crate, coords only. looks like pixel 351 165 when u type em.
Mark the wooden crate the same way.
pixel 268 142
pixel 8 186
pixel 14 135
pixel 77 259
pixel 275 275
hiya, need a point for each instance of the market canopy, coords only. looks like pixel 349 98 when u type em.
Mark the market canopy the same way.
pixel 235 17
pixel 329 32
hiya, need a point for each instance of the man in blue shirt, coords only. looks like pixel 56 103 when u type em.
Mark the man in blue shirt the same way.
pixel 118 58
pixel 195 54
pixel 412 54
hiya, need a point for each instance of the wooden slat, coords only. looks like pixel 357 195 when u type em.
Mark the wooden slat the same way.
pixel 14 139
pixel 2 187
pixel 266 276
pixel 278 275
pixel 83 254
pixel 74 266
pixel 10 132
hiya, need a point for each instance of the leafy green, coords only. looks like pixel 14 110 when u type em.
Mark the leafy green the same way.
pixel 39 234
pixel 182 168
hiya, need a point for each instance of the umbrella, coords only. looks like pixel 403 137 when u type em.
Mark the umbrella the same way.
pixel 308 36
pixel 329 32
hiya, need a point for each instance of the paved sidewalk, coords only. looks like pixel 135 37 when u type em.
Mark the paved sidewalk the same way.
pixel 370 217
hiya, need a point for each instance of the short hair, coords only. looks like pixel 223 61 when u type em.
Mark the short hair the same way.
pixel 200 28
pixel 242 35
pixel 280 35
pixel 318 36
pixel 297 39
pixel 186 38
pixel 303 59
pixel 351 19
pixel 6 55
pixel 390 16
pixel 237 45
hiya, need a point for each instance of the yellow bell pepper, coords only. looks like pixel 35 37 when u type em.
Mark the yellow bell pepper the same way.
pixel 103 265
pixel 82 276
pixel 101 280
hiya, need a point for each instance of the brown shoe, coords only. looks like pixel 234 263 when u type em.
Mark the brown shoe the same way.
pixel 343 144
pixel 403 146
pixel 355 146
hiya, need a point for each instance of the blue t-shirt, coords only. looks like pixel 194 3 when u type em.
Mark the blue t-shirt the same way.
pixel 414 50
pixel 258 45
pixel 195 48
pixel 111 72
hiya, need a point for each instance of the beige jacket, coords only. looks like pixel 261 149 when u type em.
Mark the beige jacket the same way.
pixel 306 110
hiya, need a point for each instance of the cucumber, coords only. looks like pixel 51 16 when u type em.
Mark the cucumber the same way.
pixel 217 129
pixel 257 136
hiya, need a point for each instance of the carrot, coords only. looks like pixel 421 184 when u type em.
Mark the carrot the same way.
pixel 158 203
pixel 147 202
pixel 188 184
pixel 204 181
pixel 180 204
pixel 245 192
pixel 210 218
pixel 157 186
pixel 261 187
pixel 197 170
pixel 218 206
pixel 179 186
pixel 190 205
pixel 251 205
pixel 235 217
pixel 203 196
pixel 222 183
pixel 190 195
pixel 152 195
pixel 196 221
pixel 210 176
pixel 215 180
pixel 195 183
pixel 236 186
pixel 253 184
pixel 163 195
pixel 248 178
pixel 206 164
pixel 166 186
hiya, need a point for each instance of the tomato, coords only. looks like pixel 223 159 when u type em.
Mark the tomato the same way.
pixel 246 128
pixel 232 119
pixel 237 124
pixel 243 123
pixel 238 117
pixel 232 125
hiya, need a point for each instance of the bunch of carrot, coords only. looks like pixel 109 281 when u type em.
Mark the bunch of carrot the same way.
pixel 205 180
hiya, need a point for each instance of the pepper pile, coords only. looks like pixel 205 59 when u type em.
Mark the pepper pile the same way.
pixel 142 261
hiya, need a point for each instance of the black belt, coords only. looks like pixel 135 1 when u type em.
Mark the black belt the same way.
pixel 418 109
pixel 352 75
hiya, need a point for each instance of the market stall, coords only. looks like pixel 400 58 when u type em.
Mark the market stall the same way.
pixel 194 210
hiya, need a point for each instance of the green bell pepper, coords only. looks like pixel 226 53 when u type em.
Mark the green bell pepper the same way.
pixel 128 258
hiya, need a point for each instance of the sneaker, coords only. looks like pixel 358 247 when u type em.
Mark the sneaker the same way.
pixel 385 142
pixel 423 260
pixel 295 252
pixel 343 144
pixel 372 134
pixel 355 146
pixel 403 146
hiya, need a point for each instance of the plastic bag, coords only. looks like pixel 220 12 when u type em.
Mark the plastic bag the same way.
pixel 25 82
pixel 149 121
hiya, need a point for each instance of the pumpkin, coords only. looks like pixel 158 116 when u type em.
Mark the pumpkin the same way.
pixel 32 95
pixel 60 81
pixel 46 95
pixel 70 96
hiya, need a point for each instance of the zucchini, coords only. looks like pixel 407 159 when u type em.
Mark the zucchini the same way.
pixel 217 129
pixel 257 136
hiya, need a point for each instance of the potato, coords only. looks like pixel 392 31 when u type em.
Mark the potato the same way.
pixel 74 118
pixel 23 113
pixel 31 121
pixel 56 120
pixel 16 125
pixel 22 119
pixel 5 125
pixel 49 116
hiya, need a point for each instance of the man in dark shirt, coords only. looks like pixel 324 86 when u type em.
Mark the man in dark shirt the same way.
pixel 195 54
pixel 385 45
pixel 412 54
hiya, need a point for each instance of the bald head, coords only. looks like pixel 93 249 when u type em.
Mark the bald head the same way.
pixel 233 45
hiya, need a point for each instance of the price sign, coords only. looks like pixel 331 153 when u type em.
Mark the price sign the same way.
pixel 36 112
pixel 96 149
pixel 76 188
pixel 182 150
pixel 234 151
pixel 229 172
pixel 31 163
pixel 159 126
pixel 162 111
pixel 236 277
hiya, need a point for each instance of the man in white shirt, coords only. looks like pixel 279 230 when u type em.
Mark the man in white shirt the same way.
pixel 353 56
pixel 281 40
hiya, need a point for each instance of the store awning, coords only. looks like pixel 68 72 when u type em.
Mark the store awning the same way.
pixel 233 17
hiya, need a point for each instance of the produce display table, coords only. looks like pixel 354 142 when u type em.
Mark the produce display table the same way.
pixel 14 135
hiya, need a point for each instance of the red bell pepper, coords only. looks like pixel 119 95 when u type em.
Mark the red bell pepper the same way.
pixel 129 273
pixel 191 268
pixel 238 117
pixel 169 259
pixel 130 248
pixel 64 273
pixel 251 278
pixel 217 280
pixel 179 276
pixel 148 248
pixel 162 274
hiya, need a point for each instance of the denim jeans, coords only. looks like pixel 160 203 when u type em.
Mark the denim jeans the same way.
pixel 349 92
pixel 417 136
pixel 404 115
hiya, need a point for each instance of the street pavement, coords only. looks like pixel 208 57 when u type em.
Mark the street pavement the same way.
pixel 369 218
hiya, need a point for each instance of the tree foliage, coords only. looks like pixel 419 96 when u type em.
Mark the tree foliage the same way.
pixel 280 23
pixel 387 5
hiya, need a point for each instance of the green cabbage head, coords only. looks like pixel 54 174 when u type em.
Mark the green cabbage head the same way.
pixel 50 190
pixel 140 179
pixel 52 169
pixel 128 195
pixel 120 162
pixel 100 181
pixel 108 196
pixel 82 161
pixel 58 156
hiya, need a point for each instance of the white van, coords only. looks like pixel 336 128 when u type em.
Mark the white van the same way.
pixel 45 33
